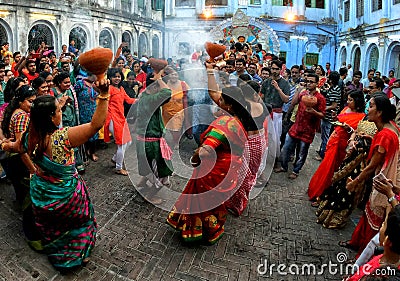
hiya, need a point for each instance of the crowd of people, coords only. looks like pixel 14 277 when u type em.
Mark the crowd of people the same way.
pixel 54 112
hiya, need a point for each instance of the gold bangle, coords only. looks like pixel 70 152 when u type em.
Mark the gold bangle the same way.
pixel 107 97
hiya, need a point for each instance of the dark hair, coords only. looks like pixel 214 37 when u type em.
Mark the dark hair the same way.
pixel 37 82
pixel 42 66
pixel 45 74
pixel 322 69
pixel 41 125
pixel 11 87
pixel 112 72
pixel 359 100
pixel 314 75
pixel 119 59
pixel 278 63
pixel 383 104
pixel 393 229
pixel 2 65
pixel 242 61
pixel 250 89
pixel 16 54
pixel 343 71
pixel 238 46
pixel 252 63
pixel 230 62
pixel 295 66
pixel 259 45
pixel 266 69
pixel 334 77
pixel 234 96
pixel 130 73
pixel 149 80
pixel 309 71
pixel 357 73
pixel 379 83
pixel 282 59
pixel 21 94
pixel 60 77
pixel 371 70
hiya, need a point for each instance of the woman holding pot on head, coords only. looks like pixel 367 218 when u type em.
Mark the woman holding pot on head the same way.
pixel 62 209
pixel 200 213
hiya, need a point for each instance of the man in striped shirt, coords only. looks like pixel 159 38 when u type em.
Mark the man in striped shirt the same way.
pixel 332 95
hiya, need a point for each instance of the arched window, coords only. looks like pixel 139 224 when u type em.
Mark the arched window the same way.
pixel 105 39
pixel 142 45
pixel 40 33
pixel 126 37
pixel 79 35
pixel 373 58
pixel 155 43
pixel 3 34
pixel 357 59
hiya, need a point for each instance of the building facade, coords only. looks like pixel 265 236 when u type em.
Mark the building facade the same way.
pixel 306 28
pixel 91 23
pixel 370 35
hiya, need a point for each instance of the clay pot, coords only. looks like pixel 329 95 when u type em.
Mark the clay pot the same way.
pixel 157 64
pixel 309 100
pixel 214 50
pixel 96 61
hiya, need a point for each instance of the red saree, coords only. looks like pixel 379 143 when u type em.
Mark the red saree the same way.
pixel 375 210
pixel 334 155
pixel 200 213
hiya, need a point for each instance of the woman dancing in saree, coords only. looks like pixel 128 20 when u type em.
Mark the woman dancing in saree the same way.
pixel 61 205
pixel 383 158
pixel 200 213
pixel 336 202
pixel 336 146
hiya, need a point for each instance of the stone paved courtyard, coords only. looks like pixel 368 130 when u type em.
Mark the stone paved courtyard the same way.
pixel 135 243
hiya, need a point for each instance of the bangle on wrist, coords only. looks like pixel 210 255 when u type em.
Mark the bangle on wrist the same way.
pixel 193 163
pixel 391 198
pixel 104 97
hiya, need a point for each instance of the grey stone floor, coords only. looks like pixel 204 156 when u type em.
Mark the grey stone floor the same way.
pixel 135 243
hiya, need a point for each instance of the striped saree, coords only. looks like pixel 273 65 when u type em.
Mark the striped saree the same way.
pixel 62 210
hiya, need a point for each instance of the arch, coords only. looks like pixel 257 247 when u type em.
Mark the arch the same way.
pixel 155 45
pixel 356 57
pixel 372 57
pixel 393 58
pixel 80 34
pixel 41 31
pixel 127 37
pixel 6 33
pixel 343 56
pixel 143 45
pixel 106 38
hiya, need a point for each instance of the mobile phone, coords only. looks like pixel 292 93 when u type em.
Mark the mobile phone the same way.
pixel 380 177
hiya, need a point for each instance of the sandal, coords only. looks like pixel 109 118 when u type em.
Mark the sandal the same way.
pixel 121 172
pixel 293 176
pixel 347 245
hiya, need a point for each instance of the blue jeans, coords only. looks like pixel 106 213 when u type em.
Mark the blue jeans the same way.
pixel 289 148
pixel 325 134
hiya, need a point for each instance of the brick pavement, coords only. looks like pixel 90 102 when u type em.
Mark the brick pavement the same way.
pixel 135 243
